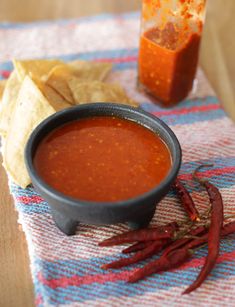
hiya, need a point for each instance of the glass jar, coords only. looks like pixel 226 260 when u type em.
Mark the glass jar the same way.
pixel 169 47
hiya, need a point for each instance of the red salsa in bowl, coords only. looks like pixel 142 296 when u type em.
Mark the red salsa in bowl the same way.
pixel 102 163
pixel 102 159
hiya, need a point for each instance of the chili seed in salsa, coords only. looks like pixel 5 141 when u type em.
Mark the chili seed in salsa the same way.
pixel 102 159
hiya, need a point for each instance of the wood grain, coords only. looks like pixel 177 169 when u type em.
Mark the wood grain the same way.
pixel 16 288
pixel 28 10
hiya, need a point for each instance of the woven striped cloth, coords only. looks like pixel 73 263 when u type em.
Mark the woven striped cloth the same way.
pixel 66 270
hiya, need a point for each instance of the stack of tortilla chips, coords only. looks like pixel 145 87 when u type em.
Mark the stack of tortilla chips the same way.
pixel 38 88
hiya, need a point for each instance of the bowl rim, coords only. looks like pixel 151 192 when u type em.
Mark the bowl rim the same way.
pixel 79 203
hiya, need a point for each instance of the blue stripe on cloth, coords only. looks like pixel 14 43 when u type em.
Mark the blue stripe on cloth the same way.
pixel 191 118
pixel 218 162
pixel 91 266
pixel 46 23
pixel 186 117
pixel 221 181
pixel 186 104
pixel 32 208
pixel 116 66
pixel 121 289
pixel 88 293
pixel 89 56
pixel 118 289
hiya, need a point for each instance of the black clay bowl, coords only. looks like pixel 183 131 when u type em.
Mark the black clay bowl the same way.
pixel 67 211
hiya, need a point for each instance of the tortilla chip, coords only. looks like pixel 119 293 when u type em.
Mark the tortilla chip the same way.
pixel 90 71
pixel 2 87
pixel 60 75
pixel 8 102
pixel 31 108
pixel 96 91
pixel 57 80
pixel 36 69
pixel 55 100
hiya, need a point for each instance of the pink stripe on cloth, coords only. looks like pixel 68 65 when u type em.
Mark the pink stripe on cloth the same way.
pixel 28 200
pixel 209 173
pixel 67 270
pixel 5 73
pixel 188 110
pixel 113 277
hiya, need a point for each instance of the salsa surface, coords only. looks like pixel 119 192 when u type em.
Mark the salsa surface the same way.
pixel 102 159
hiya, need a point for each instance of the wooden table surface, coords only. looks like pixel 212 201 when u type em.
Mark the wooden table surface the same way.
pixel 217 53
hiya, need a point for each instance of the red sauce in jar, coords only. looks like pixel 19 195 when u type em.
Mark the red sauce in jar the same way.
pixel 168 61
pixel 102 159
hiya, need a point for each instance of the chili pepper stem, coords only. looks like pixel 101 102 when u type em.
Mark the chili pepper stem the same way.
pixel 185 222
pixel 195 177
pixel 191 237
pixel 200 247
pixel 191 251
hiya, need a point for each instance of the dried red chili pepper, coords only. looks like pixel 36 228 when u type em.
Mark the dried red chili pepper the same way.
pixel 226 230
pixel 181 242
pixel 149 234
pixel 186 201
pixel 137 247
pixel 164 263
pixel 155 247
pixel 176 257
pixel 213 234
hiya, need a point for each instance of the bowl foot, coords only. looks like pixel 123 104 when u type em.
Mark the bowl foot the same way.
pixel 67 225
pixel 143 220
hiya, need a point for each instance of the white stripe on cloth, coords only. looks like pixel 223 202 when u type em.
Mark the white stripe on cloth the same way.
pixel 57 39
